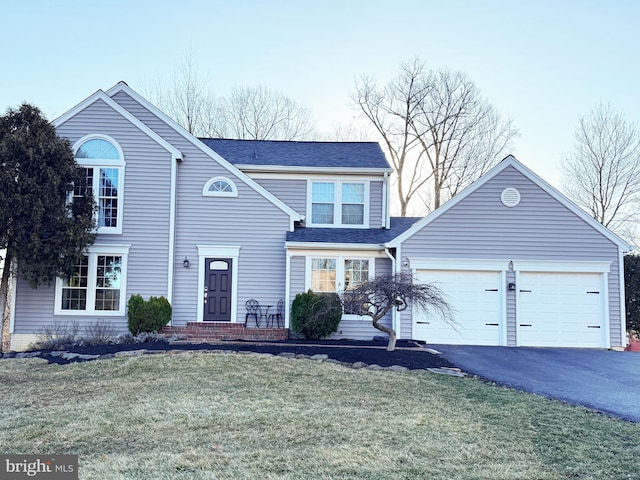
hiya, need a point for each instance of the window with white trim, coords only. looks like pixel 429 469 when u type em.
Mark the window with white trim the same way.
pixel 96 286
pixel 220 187
pixel 336 274
pixel 103 165
pixel 338 203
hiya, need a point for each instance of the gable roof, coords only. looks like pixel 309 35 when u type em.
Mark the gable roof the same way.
pixel 100 95
pixel 511 161
pixel 355 236
pixel 270 153
pixel 123 87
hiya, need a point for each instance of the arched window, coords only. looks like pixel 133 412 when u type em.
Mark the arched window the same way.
pixel 102 162
pixel 220 187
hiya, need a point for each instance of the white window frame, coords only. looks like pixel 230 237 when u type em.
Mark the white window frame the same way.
pixel 337 203
pixel 211 181
pixel 340 260
pixel 93 252
pixel 97 165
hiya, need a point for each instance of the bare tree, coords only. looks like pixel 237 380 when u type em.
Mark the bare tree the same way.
pixel 377 297
pixel 602 175
pixel 185 97
pixel 437 129
pixel 258 113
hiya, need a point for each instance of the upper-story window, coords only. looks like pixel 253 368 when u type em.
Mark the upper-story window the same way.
pixel 220 187
pixel 102 161
pixel 338 203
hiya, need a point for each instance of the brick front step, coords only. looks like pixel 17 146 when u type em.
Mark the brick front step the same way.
pixel 213 331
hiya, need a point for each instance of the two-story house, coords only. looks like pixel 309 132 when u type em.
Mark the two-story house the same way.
pixel 213 223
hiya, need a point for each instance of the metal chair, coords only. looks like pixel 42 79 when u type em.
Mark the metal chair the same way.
pixel 253 310
pixel 277 317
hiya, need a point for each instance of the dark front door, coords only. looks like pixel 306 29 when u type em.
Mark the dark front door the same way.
pixel 217 284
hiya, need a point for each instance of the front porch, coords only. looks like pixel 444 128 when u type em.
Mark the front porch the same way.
pixel 219 331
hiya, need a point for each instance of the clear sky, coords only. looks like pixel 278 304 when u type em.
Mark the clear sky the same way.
pixel 542 63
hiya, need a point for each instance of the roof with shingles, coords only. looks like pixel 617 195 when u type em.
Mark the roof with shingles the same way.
pixel 299 154
pixel 376 236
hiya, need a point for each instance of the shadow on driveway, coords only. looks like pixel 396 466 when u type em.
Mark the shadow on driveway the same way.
pixel 603 380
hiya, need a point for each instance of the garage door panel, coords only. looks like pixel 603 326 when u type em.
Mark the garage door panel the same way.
pixel 476 300
pixel 559 309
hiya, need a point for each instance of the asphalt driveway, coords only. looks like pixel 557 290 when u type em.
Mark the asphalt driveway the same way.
pixel 602 380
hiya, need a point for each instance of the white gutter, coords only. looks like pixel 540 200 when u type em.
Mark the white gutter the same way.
pixel 385 202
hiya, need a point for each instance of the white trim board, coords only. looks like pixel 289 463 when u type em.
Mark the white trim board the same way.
pixel 123 87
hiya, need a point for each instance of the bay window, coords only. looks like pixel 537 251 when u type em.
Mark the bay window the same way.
pixel 340 274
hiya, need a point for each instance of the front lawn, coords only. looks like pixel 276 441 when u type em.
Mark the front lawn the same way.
pixel 231 416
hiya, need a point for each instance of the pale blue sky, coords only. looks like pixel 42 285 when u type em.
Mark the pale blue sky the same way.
pixel 543 63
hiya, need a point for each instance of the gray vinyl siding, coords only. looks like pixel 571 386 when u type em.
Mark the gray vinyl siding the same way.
pixel 290 191
pixel 146 197
pixel 539 228
pixel 375 205
pixel 250 221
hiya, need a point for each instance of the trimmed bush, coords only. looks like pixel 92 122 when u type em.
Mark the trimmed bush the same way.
pixel 316 315
pixel 147 316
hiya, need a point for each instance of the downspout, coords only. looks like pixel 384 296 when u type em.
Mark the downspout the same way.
pixel 394 314
pixel 287 289
pixel 172 228
pixel 385 201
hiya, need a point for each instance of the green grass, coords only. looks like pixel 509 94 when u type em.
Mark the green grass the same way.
pixel 230 416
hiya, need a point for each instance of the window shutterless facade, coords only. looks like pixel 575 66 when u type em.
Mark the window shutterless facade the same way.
pixel 98 284
pixel 338 203
pixel 102 162
pixel 339 274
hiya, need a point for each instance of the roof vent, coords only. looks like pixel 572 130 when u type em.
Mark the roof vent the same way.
pixel 510 197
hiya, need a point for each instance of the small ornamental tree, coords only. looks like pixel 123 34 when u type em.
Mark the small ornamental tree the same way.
pixel 316 315
pixel 377 297
pixel 43 233
pixel 632 293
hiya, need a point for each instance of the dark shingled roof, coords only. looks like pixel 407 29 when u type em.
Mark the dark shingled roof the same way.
pixel 376 236
pixel 299 154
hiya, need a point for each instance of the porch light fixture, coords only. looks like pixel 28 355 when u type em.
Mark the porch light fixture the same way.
pixel 185 262
pixel 512 286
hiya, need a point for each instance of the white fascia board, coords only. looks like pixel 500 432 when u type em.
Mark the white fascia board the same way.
pixel 342 247
pixel 123 87
pixel 509 161
pixel 100 95
pixel 247 168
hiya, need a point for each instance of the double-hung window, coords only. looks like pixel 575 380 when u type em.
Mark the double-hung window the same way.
pixel 97 285
pixel 102 163
pixel 337 274
pixel 338 203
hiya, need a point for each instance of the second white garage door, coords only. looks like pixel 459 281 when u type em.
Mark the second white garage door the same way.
pixel 477 299
pixel 560 309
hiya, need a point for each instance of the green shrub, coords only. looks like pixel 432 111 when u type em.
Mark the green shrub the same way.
pixel 632 292
pixel 147 316
pixel 316 315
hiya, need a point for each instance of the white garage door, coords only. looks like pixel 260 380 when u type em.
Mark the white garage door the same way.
pixel 476 297
pixel 560 309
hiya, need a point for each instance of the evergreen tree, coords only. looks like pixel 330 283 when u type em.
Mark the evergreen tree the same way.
pixel 42 231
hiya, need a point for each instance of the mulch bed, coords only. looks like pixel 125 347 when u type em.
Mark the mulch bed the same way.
pixel 407 354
